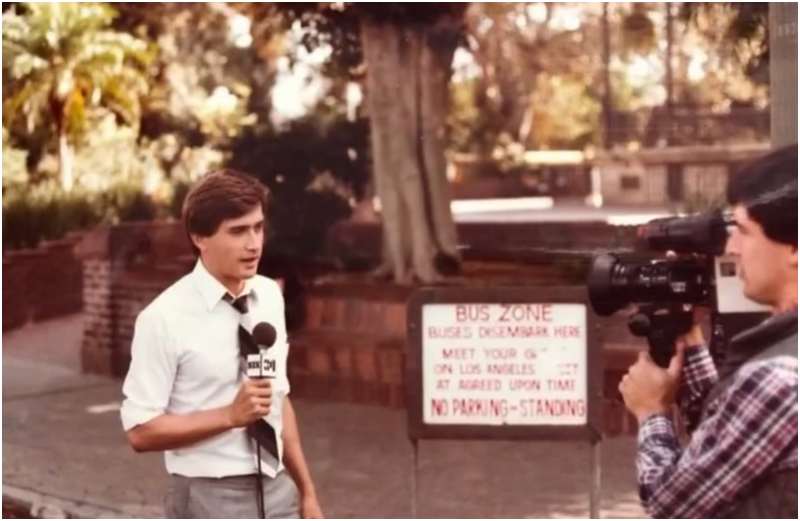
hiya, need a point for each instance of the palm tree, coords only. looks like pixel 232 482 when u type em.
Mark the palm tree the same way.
pixel 62 60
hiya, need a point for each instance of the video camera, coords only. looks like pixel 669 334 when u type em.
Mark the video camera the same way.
pixel 666 288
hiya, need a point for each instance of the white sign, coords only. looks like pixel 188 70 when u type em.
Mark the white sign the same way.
pixel 504 364
pixel 730 288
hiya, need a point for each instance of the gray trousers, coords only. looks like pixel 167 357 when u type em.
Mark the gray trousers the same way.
pixel 232 497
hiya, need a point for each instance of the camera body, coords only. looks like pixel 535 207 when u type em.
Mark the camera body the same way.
pixel 665 288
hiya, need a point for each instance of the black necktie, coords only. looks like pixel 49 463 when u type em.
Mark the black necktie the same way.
pixel 260 430
pixel 239 303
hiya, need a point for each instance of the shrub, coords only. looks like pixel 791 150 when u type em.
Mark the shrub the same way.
pixel 42 212
pixel 127 202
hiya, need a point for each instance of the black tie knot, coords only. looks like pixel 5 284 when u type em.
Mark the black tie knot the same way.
pixel 239 303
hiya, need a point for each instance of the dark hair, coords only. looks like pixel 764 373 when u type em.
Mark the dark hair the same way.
pixel 220 195
pixel 767 187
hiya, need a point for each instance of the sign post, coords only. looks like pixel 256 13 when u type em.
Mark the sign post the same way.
pixel 504 363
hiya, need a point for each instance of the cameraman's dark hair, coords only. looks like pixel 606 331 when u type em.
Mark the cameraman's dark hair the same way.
pixel 767 187
pixel 220 195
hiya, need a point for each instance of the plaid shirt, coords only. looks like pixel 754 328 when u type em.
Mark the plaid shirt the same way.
pixel 749 430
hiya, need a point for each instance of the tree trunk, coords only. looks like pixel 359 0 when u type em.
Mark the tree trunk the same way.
pixel 408 73
pixel 65 162
pixel 607 98
pixel 783 73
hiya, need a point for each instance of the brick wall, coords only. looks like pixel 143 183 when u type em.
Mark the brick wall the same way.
pixel 41 283
pixel 125 267
pixel 352 345
pixel 97 322
pixel 16 306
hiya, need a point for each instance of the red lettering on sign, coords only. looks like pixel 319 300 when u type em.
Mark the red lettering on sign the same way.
pixel 561 385
pixel 472 313
pixel 497 353
pixel 553 408
pixel 472 407
pixel 479 384
pixel 525 313
pixel 439 407
pixel 443 369
pixel 513 331
pixel 567 331
pixel 458 353
pixel 470 369
pixel 518 384
pixel 512 369
pixel 449 332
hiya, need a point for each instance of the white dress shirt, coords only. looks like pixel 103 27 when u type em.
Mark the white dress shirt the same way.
pixel 185 358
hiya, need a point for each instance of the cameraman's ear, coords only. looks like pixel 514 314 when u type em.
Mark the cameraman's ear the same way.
pixel 793 258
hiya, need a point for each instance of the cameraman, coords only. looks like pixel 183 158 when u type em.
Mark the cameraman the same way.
pixel 741 461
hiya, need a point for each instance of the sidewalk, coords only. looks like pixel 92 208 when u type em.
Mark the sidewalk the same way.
pixel 64 451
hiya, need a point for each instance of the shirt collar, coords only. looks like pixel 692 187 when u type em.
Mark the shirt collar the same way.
pixel 212 290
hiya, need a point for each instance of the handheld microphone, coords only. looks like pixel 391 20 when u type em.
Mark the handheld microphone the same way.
pixel 260 364
pixel 264 334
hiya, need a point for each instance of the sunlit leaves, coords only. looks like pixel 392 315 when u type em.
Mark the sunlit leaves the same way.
pixel 62 60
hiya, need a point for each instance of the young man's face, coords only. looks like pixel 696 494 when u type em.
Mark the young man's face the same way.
pixel 232 253
pixel 767 268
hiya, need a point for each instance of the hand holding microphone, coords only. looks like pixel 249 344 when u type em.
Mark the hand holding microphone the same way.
pixel 252 402
pixel 254 398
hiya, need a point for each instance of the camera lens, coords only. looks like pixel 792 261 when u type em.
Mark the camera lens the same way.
pixel 614 283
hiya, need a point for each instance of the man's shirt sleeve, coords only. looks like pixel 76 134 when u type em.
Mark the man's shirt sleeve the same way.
pixel 754 424
pixel 698 377
pixel 151 374
pixel 283 377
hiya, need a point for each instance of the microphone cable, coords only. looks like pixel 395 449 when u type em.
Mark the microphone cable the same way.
pixel 260 483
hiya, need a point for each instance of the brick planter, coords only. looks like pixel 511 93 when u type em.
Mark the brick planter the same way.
pixel 42 283
pixel 124 268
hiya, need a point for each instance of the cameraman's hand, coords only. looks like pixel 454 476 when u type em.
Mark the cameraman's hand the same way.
pixel 648 389
pixel 253 401
pixel 694 337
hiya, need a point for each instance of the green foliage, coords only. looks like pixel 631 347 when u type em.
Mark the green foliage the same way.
pixel 289 160
pixel 127 202
pixel 566 114
pixel 470 128
pixel 534 78
pixel 60 62
pixel 63 54
pixel 314 170
pixel 338 25
pixel 32 215
pixel 14 170
pixel 737 29
pixel 299 225
pixel 209 88
pixel 44 212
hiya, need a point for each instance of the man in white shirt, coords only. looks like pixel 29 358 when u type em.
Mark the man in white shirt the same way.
pixel 185 393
